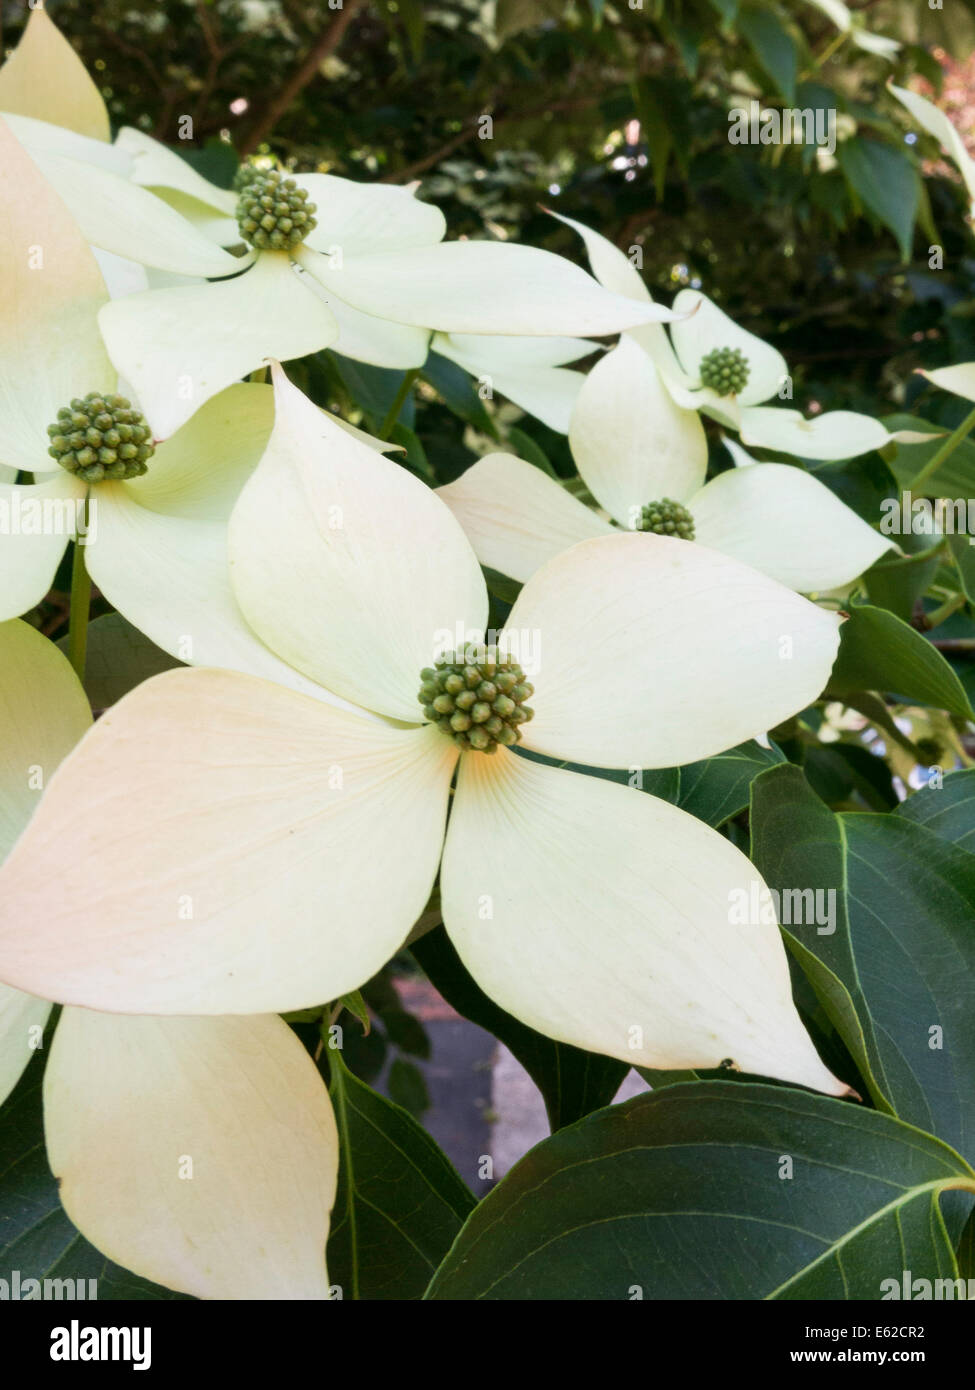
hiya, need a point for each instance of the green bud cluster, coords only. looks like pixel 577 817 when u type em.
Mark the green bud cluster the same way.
pixel 725 370
pixel 101 437
pixel 245 176
pixel 273 213
pixel 666 518
pixel 477 698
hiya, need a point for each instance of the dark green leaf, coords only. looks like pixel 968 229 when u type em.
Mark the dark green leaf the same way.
pixel 880 652
pixel 120 657
pixel 717 789
pixel 400 1202
pixel 887 184
pixel 948 810
pixel 896 974
pixel 774 47
pixel 712 1190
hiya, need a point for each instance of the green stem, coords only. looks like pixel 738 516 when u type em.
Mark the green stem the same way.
pixel 946 450
pixel 394 410
pixel 835 42
pixel 938 615
pixel 80 606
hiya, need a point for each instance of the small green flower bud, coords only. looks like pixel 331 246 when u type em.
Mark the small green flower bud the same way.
pixel 666 518
pixel 107 438
pixel 725 370
pixel 476 697
pixel 273 213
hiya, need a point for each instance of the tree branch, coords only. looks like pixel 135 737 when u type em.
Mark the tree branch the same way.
pixel 324 47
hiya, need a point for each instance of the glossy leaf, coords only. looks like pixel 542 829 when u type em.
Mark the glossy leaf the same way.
pixel 712 1190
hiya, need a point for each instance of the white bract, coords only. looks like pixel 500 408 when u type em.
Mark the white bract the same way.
pixel 374 276
pixel 699 331
pixel 307 839
pixel 156 544
pixel 531 372
pixel 200 1153
pixel 634 446
pixel 932 119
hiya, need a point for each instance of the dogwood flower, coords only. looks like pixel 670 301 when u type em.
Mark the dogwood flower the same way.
pixel 374 255
pixel 152 520
pixel 644 459
pixel 200 1153
pixel 268 851
pixel 711 365
pixel 375 276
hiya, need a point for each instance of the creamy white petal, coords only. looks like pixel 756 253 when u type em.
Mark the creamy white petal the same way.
pixel 652 652
pixel 121 276
pixel 741 457
pixel 244 849
pixel 154 166
pixel 201 1153
pixel 498 353
pixel 356 219
pixel 959 380
pixel 198 472
pixel 609 924
pixel 181 346
pixel 215 226
pixel 170 576
pixel 44 137
pixel 348 566
pixel 787 524
pixel 36 522
pixel 50 350
pixel 839 434
pixel 614 270
pixel 548 393
pixel 22 1022
pixel 878 44
pixel 522 370
pixel 516 517
pixel 611 266
pixel 709 327
pixel 43 714
pixel 119 216
pixel 631 442
pixel 363 337
pixel 45 78
pixel 485 287
pixel 932 119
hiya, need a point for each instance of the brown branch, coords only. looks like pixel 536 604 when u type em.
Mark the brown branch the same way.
pixel 323 48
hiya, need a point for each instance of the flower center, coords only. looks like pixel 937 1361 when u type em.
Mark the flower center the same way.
pixel 477 698
pixel 101 437
pixel 725 370
pixel 273 213
pixel 666 518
